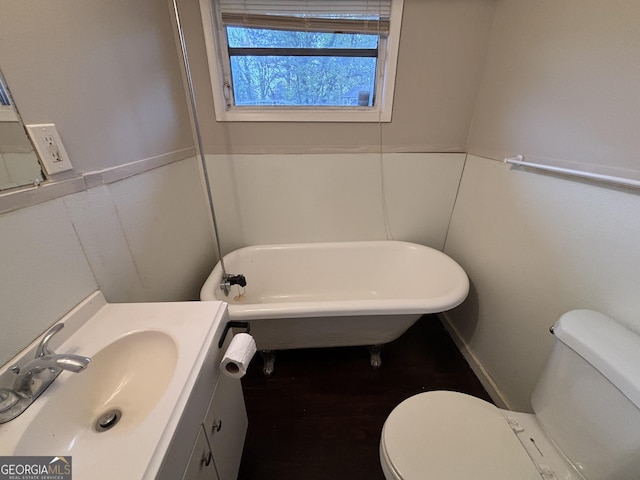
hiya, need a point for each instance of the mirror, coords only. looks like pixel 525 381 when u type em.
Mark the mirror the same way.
pixel 19 164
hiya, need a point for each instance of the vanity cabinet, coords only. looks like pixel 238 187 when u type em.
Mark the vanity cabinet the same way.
pixel 218 448
pixel 158 364
pixel 208 441
pixel 201 466
pixel 226 425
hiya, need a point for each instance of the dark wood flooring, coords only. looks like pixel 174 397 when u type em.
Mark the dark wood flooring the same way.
pixel 320 415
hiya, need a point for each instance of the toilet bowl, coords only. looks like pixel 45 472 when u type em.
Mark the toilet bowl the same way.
pixel 585 425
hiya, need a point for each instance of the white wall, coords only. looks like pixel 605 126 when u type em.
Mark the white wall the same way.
pixel 146 238
pixel 534 247
pixel 43 273
pixel 18 161
pixel 442 49
pixel 262 199
pixel 107 74
pixel 18 168
pixel 560 82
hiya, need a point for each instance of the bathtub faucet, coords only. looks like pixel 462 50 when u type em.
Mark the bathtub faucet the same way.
pixel 229 279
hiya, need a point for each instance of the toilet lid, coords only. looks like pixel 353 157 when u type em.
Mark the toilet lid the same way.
pixel 449 435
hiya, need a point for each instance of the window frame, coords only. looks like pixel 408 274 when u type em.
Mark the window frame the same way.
pixel 219 68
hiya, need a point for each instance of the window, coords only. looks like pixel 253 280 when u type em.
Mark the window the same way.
pixel 4 96
pixel 302 60
pixel 7 111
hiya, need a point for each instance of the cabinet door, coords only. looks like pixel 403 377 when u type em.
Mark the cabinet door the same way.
pixel 201 466
pixel 226 423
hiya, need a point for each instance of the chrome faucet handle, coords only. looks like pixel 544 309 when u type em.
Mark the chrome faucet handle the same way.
pixel 46 368
pixel 43 347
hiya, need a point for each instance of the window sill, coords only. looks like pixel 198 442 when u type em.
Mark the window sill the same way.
pixel 340 114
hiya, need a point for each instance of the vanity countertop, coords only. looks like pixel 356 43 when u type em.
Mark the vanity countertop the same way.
pixel 146 359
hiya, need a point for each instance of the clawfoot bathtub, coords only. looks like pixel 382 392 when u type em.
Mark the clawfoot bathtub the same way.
pixel 336 294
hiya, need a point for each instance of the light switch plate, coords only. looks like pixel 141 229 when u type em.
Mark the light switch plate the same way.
pixel 50 149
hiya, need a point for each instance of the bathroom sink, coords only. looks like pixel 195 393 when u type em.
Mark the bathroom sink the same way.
pixel 117 418
pixel 124 382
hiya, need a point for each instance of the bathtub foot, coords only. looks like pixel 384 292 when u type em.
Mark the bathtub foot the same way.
pixel 268 361
pixel 374 352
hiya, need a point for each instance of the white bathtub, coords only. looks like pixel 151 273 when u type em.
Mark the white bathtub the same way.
pixel 337 294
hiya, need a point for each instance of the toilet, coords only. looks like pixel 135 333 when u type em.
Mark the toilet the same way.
pixel 585 425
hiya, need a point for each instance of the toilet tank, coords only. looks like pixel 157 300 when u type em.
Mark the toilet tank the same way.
pixel 588 396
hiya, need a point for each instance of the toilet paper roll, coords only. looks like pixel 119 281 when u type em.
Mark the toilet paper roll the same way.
pixel 236 359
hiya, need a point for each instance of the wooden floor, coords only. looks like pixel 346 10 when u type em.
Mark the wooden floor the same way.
pixel 320 415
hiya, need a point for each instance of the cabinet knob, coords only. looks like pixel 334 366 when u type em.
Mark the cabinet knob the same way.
pixel 206 458
pixel 207 455
pixel 217 425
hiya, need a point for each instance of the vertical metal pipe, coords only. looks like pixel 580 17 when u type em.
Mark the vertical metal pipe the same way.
pixel 196 124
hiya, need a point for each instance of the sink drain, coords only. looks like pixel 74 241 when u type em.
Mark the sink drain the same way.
pixel 108 420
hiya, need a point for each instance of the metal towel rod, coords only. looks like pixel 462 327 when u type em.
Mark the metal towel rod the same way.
pixel 520 161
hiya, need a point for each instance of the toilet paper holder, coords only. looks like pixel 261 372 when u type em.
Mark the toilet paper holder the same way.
pixel 233 324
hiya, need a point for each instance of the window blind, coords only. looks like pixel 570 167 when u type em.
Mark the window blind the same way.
pixel 4 97
pixel 345 16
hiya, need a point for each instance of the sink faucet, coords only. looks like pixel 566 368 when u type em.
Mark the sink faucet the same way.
pixel 33 378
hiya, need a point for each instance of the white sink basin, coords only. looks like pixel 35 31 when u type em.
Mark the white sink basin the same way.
pixel 116 419
pixel 128 376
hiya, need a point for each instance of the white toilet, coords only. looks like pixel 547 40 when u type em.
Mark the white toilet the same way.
pixel 586 423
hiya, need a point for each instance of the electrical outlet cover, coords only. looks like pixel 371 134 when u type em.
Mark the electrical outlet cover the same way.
pixel 53 156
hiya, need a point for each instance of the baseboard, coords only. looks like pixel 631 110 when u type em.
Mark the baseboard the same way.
pixel 485 379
